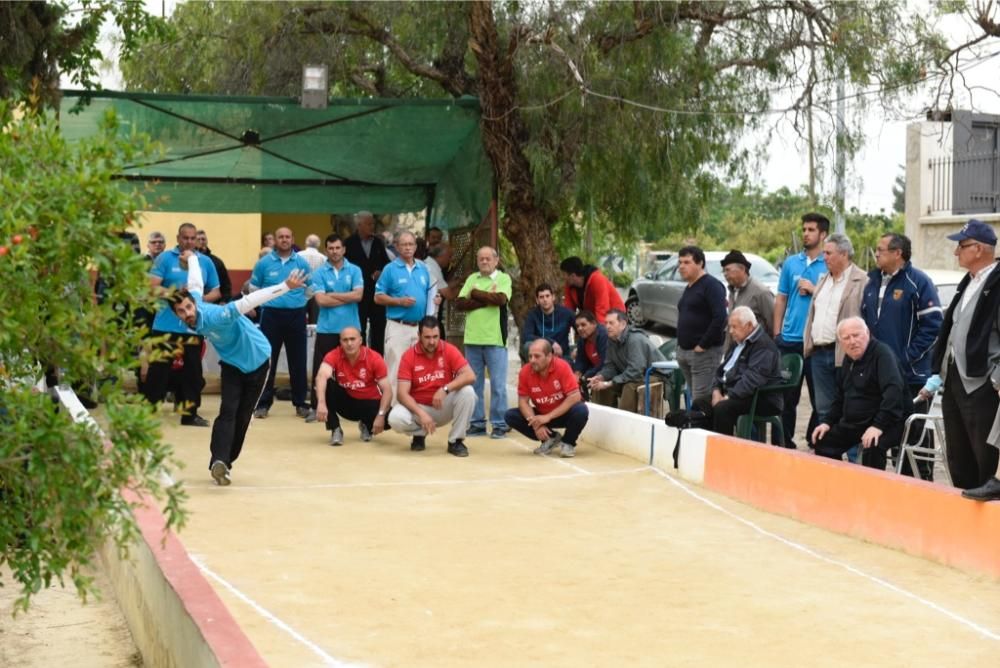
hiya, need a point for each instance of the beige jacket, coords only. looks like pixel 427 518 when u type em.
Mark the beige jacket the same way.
pixel 850 305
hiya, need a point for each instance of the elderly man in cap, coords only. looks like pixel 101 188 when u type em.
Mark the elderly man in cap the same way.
pixel 745 291
pixel 967 356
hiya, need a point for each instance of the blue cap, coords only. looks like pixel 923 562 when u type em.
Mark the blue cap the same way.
pixel 976 230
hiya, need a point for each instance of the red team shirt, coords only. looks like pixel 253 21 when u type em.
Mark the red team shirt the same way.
pixel 426 374
pixel 358 380
pixel 590 349
pixel 547 393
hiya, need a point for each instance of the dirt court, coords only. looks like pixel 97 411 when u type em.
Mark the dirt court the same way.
pixel 369 554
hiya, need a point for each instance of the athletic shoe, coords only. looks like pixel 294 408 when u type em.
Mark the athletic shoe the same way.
pixel 311 416
pixel 475 431
pixel 418 444
pixel 549 443
pixel 567 450
pixel 220 473
pixel 458 449
pixel 366 434
pixel 498 433
pixel 337 436
pixel 301 411
pixel 260 413
pixel 194 421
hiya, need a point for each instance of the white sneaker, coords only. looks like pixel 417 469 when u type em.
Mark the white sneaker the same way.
pixel 366 434
pixel 337 437
pixel 567 450
pixel 220 473
pixel 549 443
pixel 311 416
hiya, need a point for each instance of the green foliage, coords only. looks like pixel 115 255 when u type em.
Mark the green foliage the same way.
pixel 59 226
pixel 621 279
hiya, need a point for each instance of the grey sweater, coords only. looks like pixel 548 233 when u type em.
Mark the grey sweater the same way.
pixel 629 357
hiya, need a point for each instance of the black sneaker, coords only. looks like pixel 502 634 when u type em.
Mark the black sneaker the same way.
pixel 301 411
pixel 477 430
pixel 194 421
pixel 418 444
pixel 458 449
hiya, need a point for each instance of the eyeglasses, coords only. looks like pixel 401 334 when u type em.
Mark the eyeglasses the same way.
pixel 974 243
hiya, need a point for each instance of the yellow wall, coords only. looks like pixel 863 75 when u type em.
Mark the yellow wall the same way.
pixel 301 225
pixel 234 237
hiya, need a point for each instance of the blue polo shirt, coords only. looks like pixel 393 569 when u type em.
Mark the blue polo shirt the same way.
pixel 397 280
pixel 273 269
pixel 236 339
pixel 327 278
pixel 168 268
pixel 797 307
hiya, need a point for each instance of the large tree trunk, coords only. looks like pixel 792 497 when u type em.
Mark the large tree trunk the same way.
pixel 526 224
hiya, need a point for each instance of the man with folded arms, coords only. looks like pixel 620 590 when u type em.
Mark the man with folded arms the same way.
pixel 435 388
pixel 360 389
pixel 548 397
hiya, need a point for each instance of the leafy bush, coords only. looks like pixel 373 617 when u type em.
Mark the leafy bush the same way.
pixel 59 226
pixel 621 279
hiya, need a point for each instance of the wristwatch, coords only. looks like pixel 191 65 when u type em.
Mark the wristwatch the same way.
pixel 381 413
pixel 447 389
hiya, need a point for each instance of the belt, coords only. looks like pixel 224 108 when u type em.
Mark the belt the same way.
pixel 824 346
pixel 408 323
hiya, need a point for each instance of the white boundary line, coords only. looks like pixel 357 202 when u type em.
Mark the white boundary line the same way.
pixel 421 483
pixel 263 612
pixel 981 630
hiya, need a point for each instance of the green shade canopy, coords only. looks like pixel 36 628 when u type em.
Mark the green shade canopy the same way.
pixel 269 155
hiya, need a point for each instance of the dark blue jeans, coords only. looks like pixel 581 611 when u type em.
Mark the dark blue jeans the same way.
pixel 573 421
pixel 791 397
pixel 286 327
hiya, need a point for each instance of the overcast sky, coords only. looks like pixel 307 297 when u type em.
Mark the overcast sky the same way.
pixel 873 171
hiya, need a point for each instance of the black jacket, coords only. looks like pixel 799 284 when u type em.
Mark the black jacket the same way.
pixel 225 285
pixel 984 321
pixel 870 391
pixel 355 253
pixel 759 364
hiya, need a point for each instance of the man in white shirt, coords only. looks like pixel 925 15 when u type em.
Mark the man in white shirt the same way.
pixel 837 297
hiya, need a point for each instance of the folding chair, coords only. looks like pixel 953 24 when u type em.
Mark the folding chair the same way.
pixel 670 371
pixel 923 450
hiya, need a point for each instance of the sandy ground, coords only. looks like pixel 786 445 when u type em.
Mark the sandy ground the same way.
pixel 369 554
pixel 59 630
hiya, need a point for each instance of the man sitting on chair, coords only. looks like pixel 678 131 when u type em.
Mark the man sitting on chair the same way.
pixel 752 361
pixel 870 403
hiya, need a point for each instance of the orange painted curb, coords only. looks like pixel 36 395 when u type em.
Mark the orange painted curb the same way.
pixel 228 642
pixel 918 517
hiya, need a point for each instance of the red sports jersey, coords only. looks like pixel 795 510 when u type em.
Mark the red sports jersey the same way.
pixel 548 392
pixel 590 349
pixel 360 379
pixel 426 374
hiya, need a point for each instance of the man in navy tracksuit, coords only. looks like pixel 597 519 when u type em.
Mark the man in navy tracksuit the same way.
pixel 901 308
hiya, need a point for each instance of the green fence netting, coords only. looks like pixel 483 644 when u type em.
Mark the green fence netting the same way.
pixel 268 155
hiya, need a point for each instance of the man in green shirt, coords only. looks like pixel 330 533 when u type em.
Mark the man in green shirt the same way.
pixel 484 297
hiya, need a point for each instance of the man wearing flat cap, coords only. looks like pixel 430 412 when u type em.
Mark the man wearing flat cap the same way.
pixel 745 291
pixel 967 357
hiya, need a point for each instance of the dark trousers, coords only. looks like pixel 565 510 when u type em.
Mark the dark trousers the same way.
pixel 791 398
pixel 728 411
pixel 372 323
pixel 842 438
pixel 286 327
pixel 191 379
pixel 324 344
pixel 573 421
pixel 340 404
pixel 240 392
pixel 967 422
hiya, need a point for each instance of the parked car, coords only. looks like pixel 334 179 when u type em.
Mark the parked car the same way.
pixel 946 281
pixel 654 297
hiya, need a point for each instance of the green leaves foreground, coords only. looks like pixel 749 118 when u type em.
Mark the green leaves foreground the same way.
pixel 60 483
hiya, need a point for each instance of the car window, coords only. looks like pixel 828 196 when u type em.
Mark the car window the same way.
pixel 667 271
pixel 946 292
